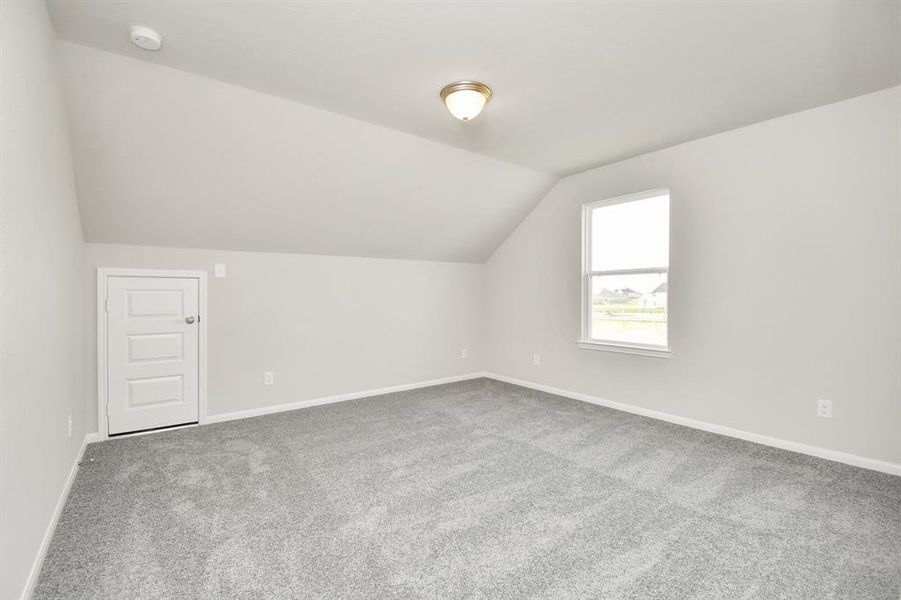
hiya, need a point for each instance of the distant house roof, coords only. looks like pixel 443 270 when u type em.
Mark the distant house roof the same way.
pixel 605 293
pixel 660 289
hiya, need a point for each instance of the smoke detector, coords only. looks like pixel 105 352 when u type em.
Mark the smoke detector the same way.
pixel 145 37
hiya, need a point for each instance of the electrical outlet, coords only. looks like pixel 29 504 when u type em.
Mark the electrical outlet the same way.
pixel 824 408
pixel 536 360
pixel 70 425
pixel 219 270
pixel 464 353
pixel 268 377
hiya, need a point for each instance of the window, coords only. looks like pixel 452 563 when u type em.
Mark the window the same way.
pixel 625 273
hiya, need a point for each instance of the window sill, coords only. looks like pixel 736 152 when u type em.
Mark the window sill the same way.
pixel 624 349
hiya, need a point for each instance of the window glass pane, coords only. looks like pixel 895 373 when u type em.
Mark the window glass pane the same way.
pixel 631 235
pixel 629 308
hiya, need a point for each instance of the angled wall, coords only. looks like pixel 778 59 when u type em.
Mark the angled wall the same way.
pixel 169 158
pixel 40 311
pixel 785 281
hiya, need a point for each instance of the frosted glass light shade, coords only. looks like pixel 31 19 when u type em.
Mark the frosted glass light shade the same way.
pixel 466 99
pixel 465 104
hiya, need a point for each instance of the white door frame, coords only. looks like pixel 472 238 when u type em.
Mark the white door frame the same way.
pixel 103 275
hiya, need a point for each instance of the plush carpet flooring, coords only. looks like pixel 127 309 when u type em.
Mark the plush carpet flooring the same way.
pixel 470 490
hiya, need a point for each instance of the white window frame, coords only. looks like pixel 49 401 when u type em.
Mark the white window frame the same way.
pixel 586 341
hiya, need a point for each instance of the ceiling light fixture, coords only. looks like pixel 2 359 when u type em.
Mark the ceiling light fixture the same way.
pixel 145 37
pixel 466 99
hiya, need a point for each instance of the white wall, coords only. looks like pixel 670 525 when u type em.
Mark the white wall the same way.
pixel 326 325
pixel 785 281
pixel 40 312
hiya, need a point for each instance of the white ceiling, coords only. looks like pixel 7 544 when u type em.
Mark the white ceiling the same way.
pixel 167 158
pixel 577 84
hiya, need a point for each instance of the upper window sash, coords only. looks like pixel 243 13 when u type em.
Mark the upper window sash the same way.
pixel 587 233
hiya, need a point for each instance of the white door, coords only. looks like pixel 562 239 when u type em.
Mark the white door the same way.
pixel 152 352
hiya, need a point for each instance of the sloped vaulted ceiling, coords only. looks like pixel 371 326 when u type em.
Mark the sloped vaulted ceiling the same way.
pixel 316 126
pixel 168 158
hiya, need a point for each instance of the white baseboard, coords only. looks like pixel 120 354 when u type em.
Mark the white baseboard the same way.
pixel 268 410
pixel 834 455
pixel 51 526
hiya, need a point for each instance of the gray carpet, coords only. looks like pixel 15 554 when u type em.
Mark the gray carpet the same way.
pixel 471 490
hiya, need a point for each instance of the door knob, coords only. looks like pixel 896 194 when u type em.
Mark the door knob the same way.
pixel 189 320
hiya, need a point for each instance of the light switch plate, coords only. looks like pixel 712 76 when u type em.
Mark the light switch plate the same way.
pixel 220 270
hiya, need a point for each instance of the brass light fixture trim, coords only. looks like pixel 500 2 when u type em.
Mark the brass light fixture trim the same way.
pixel 458 86
pixel 459 99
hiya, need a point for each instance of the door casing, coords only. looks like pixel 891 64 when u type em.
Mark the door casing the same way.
pixel 103 275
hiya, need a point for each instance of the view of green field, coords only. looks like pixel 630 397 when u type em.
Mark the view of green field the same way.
pixel 629 322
